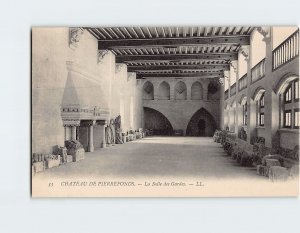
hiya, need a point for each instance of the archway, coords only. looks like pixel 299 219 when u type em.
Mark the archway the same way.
pixel 201 124
pixel 148 91
pixel 156 122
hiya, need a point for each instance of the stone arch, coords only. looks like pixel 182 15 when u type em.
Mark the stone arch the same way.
pixel 283 83
pixel 196 91
pixel 156 122
pixel 164 91
pixel 243 99
pixel 213 90
pixel 180 92
pixel 148 91
pixel 258 93
pixel 202 123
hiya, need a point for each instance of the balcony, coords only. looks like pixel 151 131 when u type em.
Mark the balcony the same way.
pixel 258 71
pixel 286 51
pixel 243 82
pixel 233 89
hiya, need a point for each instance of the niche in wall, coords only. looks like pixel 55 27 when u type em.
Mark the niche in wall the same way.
pixel 164 91
pixel 148 91
pixel 180 91
pixel 196 91
pixel 213 92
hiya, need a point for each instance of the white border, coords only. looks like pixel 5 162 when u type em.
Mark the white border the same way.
pixel 19 213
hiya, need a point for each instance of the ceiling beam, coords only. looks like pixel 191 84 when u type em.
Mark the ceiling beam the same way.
pixel 211 56
pixel 176 67
pixel 226 40
pixel 187 75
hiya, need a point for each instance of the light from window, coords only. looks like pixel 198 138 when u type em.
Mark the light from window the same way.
pixel 287 119
pixel 288 95
pixel 262 101
pixel 296 94
pixel 261 119
pixel 297 119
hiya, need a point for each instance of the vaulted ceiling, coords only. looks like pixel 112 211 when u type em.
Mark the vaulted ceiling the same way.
pixel 173 51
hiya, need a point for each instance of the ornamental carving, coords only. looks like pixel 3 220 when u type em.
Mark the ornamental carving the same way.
pixel 148 88
pixel 119 67
pixel 101 55
pixel 180 87
pixel 131 75
pixel 234 66
pixel 264 31
pixel 75 35
pixel 245 52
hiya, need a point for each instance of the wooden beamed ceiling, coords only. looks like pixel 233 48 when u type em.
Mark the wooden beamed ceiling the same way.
pixel 177 51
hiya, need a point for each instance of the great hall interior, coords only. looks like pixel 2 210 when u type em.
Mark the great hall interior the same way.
pixel 164 100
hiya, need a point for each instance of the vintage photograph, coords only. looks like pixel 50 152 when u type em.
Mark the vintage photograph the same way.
pixel 168 111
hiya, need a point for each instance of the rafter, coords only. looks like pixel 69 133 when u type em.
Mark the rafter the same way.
pixel 234 40
pixel 133 68
pixel 213 56
pixel 183 75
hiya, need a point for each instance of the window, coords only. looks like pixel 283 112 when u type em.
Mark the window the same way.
pixel 296 119
pixel 296 90
pixel 245 114
pixel 287 119
pixel 291 105
pixel 262 101
pixel 288 95
pixel 261 111
pixel 261 119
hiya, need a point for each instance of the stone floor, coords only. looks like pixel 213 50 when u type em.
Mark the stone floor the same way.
pixel 157 157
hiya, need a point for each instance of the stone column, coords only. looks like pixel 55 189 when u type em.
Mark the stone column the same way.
pixel 103 124
pixel 91 136
pixel 271 99
pixel 221 115
pixel 251 107
pixel 73 132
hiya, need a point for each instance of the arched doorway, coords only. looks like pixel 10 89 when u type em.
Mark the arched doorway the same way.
pixel 202 124
pixel 156 123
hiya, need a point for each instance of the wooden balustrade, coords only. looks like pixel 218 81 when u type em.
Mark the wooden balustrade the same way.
pixel 258 71
pixel 286 51
pixel 233 89
pixel 243 82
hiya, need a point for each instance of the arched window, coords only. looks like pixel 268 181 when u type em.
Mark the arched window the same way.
pixel 196 91
pixel 291 106
pixel 164 91
pixel 180 91
pixel 148 91
pixel 213 90
pixel 261 110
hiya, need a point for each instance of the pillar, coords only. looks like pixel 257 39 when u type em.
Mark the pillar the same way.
pixel 91 136
pixel 222 106
pixel 73 132
pixel 103 124
pixel 271 99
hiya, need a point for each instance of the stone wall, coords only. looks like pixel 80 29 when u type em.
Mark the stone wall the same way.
pixel 180 111
pixel 64 74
